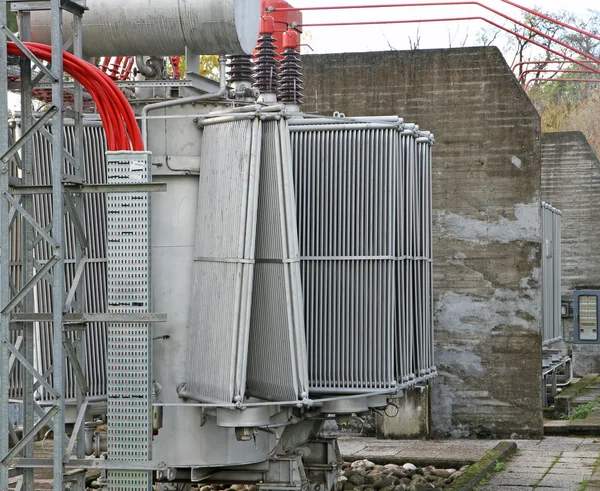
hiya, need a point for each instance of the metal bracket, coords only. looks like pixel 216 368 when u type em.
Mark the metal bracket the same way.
pixel 78 422
pixel 75 8
pixel 85 317
pixel 93 188
pixel 38 126
pixel 30 368
pixel 29 436
pixel 72 356
pixel 30 284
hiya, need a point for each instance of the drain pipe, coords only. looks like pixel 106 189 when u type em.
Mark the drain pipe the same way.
pixel 186 100
pixel 145 70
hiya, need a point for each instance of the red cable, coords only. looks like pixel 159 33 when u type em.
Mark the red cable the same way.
pixel 119 122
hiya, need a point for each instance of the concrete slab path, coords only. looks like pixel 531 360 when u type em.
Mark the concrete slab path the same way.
pixel 552 464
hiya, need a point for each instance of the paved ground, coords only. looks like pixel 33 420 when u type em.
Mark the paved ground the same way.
pixel 465 451
pixel 551 464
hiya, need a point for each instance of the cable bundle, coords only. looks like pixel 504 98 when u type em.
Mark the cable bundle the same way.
pixel 122 131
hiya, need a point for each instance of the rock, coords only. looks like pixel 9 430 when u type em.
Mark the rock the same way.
pixel 463 468
pixel 431 478
pixel 253 487
pixel 373 479
pixel 428 469
pixel 443 473
pixel 348 486
pixel 342 479
pixel 409 467
pixel 418 479
pixel 400 472
pixel 365 464
pixel 357 480
pixel 456 475
pixel 451 471
pixel 405 481
pixel 401 487
pixel 378 468
pixel 238 487
pixel 386 482
pixel 361 471
pixel 420 487
pixel 205 488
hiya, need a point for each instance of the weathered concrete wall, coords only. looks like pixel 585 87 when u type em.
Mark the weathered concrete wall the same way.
pixel 486 221
pixel 571 183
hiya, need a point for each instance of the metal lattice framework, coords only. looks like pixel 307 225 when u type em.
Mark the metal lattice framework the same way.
pixel 44 256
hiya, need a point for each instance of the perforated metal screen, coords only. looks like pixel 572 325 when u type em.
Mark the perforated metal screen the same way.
pixel 129 378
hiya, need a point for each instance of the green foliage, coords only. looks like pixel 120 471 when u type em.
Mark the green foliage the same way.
pixel 499 466
pixel 209 66
pixel 583 486
pixel 12 19
pixel 582 411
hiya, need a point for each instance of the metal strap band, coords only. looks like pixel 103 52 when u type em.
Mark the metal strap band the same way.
pixel 233 260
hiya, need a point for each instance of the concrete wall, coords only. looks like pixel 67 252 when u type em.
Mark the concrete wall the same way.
pixel 486 221
pixel 571 183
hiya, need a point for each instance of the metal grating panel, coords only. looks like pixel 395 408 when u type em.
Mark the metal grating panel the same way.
pixel 551 274
pixel 129 345
pixel 277 351
pixel 346 186
pixel 363 188
pixel 422 259
pixel 94 221
pixel 223 260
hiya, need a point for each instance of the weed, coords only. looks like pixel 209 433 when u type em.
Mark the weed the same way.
pixel 582 411
pixel 500 466
pixel 583 486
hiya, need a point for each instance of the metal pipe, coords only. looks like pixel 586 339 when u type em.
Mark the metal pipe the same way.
pixel 438 4
pixel 452 19
pixel 552 19
pixel 588 80
pixel 187 100
pixel 558 70
pixel 544 62
pixel 141 66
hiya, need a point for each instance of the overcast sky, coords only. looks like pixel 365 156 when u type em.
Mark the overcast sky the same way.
pixel 399 36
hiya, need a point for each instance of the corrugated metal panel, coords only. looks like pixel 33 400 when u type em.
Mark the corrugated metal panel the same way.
pixel 223 264
pixel 277 350
pixel 363 188
pixel 94 219
pixel 346 185
pixel 551 274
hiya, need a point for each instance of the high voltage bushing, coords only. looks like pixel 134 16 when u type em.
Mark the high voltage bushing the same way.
pixel 240 69
pixel 266 71
pixel 291 84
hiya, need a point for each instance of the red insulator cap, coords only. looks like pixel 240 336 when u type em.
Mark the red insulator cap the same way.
pixel 291 39
pixel 267 25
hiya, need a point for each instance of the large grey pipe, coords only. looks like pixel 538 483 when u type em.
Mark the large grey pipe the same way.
pixel 161 27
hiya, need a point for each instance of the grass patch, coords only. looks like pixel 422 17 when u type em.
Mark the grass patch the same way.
pixel 582 411
pixel 499 466
pixel 583 486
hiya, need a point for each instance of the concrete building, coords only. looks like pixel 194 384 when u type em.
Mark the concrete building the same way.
pixel 486 194
pixel 571 182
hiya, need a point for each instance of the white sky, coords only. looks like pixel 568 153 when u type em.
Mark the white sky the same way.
pixel 432 35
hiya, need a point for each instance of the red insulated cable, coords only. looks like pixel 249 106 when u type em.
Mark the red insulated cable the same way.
pixel 108 85
pixel 117 116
